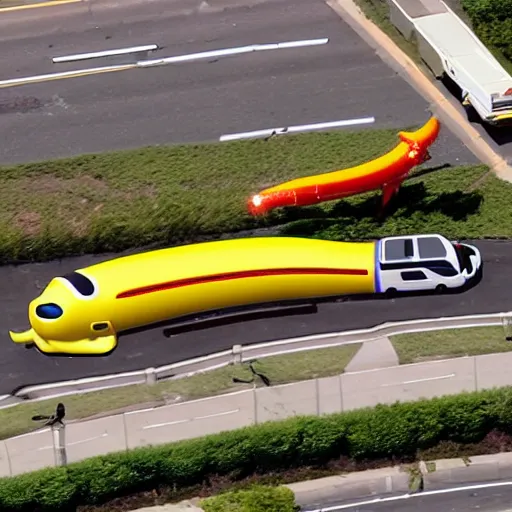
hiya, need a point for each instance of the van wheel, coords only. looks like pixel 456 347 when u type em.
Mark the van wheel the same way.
pixel 441 288
pixel 390 293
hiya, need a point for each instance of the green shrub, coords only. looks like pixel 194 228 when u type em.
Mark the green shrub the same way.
pixel 257 499
pixel 386 431
pixel 49 489
pixel 492 22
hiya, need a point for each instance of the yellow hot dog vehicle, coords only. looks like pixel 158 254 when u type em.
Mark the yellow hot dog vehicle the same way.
pixel 82 313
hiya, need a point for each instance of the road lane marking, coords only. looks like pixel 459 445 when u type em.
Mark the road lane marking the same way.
pixel 169 423
pixel 226 52
pixel 412 495
pixel 177 422
pixel 295 129
pixel 43 448
pixel 88 439
pixel 53 3
pixel 225 413
pixel 13 82
pixel 105 53
pixel 428 379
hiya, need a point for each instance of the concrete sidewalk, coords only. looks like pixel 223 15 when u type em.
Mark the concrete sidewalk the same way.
pixel 379 353
pixel 349 391
pixel 425 476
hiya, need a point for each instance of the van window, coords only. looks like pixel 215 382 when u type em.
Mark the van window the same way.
pixel 413 275
pixel 442 268
pixel 398 249
pixel 83 285
pixel 431 247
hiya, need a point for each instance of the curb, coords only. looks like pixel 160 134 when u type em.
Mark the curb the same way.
pixel 351 486
pixel 244 353
pixel 481 468
pixel 188 505
pixel 400 481
pixel 406 480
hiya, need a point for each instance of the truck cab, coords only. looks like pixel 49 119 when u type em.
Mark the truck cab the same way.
pixel 424 262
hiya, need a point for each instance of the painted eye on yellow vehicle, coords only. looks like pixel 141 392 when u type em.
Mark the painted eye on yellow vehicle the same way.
pixel 83 285
pixel 49 311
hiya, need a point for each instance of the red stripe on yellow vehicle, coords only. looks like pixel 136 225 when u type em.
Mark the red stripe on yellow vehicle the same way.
pixel 241 275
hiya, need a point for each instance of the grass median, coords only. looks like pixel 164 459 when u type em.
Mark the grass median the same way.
pixel 427 346
pixel 165 196
pixel 279 369
pixel 411 348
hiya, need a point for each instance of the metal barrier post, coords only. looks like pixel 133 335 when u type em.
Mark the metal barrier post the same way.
pixel 506 321
pixel 59 444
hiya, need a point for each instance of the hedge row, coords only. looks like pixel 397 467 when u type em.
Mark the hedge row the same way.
pixel 256 499
pixel 492 22
pixel 394 431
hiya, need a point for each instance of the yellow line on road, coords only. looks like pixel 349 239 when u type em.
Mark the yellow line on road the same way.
pixel 37 5
pixel 62 76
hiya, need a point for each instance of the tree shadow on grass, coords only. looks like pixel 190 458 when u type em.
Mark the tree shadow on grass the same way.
pixel 410 200
pixel 457 205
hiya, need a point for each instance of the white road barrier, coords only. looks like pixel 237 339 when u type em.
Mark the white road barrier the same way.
pixel 242 353
pixel 296 129
pixel 106 53
pixel 13 82
pixel 196 418
pixel 227 52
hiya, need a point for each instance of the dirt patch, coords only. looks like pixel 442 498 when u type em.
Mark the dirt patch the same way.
pixel 28 222
pixel 50 184
pixel 69 203
pixel 19 104
pixel 72 200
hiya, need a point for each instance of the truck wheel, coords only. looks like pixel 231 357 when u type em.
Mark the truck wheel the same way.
pixel 472 114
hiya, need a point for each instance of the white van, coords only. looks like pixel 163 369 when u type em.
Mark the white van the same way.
pixel 424 262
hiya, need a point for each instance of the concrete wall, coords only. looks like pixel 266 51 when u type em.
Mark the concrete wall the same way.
pixel 227 412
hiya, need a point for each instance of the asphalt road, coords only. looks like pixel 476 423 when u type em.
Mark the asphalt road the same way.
pixel 18 285
pixel 201 101
pixel 197 101
pixel 489 499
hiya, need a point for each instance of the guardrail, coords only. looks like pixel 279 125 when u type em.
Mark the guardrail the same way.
pixel 73 441
pixel 242 353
